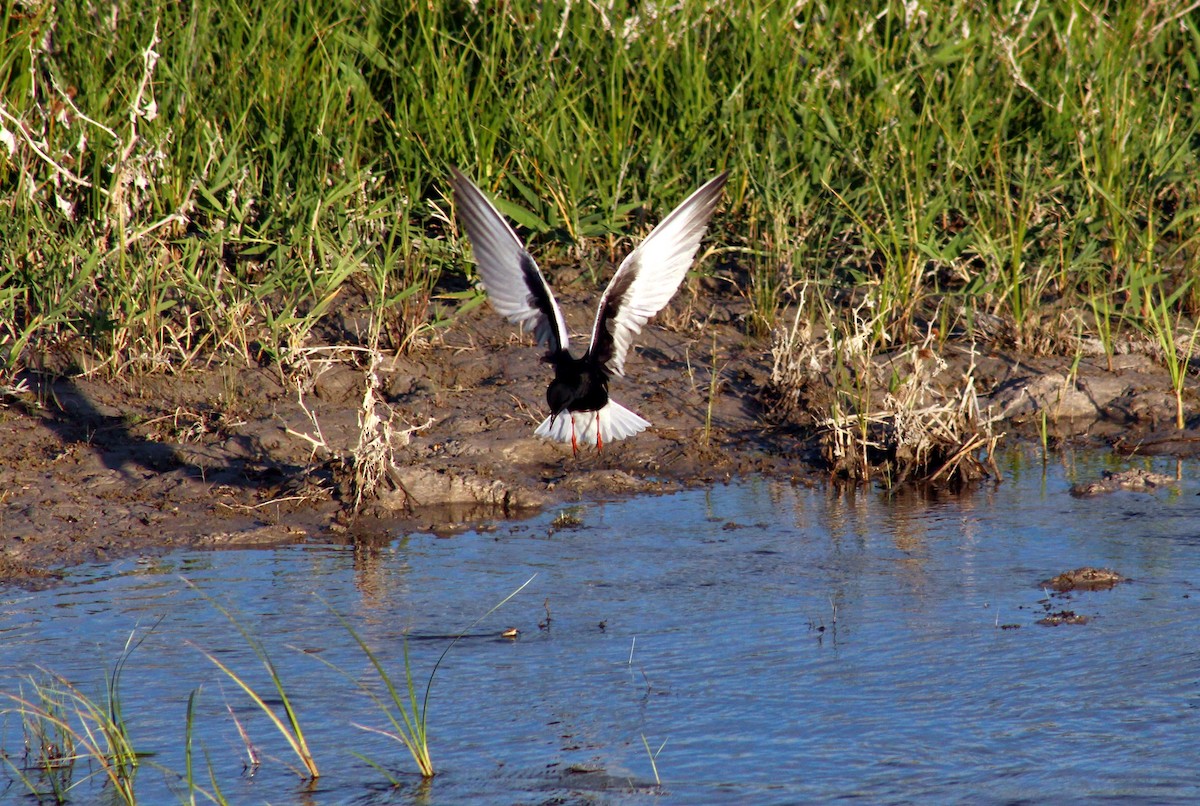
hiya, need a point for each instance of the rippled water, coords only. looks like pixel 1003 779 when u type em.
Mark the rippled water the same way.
pixel 786 644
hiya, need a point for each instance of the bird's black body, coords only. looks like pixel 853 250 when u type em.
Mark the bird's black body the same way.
pixel 580 384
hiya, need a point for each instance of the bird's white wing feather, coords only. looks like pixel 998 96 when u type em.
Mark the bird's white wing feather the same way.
pixel 513 282
pixel 651 274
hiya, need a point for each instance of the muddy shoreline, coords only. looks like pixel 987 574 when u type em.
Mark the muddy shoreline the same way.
pixel 95 468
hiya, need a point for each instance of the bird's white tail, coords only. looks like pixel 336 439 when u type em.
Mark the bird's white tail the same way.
pixel 614 421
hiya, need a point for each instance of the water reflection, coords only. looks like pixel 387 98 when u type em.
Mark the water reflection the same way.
pixel 788 643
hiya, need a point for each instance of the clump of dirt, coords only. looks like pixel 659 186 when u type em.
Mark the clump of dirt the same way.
pixel 1062 586
pixel 1084 579
pixel 92 468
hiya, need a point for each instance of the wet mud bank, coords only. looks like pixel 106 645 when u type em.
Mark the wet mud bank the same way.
pixel 92 468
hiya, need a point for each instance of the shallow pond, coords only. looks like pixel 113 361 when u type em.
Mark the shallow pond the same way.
pixel 771 643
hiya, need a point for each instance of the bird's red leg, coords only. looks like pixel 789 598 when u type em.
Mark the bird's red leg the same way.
pixel 599 441
pixel 574 444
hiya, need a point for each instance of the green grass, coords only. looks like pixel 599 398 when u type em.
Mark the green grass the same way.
pixel 288 725
pixel 74 743
pixel 405 712
pixel 72 737
pixel 1177 346
pixel 653 756
pixel 219 199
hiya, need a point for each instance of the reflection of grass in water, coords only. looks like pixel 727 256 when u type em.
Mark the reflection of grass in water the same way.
pixel 404 711
pixel 63 726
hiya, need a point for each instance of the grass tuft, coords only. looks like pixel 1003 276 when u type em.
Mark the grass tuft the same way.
pixel 63 726
pixel 889 416
pixel 289 724
pixel 406 712
pixel 1176 344
pixel 653 756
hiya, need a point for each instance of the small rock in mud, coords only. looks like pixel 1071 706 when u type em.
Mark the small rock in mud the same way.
pixel 1133 479
pixel 1084 579
pixel 1062 617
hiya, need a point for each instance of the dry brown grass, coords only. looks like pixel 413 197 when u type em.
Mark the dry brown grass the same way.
pixel 896 418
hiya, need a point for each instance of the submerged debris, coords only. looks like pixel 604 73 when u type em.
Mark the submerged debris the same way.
pixel 1084 579
pixel 1134 479
pixel 1062 617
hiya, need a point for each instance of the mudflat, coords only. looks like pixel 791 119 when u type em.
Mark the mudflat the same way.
pixel 93 467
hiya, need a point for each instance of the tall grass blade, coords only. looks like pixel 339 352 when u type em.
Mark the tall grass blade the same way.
pixel 290 729
pixel 653 756
pixel 410 728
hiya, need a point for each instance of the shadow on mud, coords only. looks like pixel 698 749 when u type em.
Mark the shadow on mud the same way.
pixel 122 447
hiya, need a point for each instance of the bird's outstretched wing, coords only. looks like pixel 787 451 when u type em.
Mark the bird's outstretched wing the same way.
pixel 651 275
pixel 510 276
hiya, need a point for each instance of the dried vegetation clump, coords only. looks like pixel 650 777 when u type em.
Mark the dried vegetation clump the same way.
pixel 898 417
pixel 368 470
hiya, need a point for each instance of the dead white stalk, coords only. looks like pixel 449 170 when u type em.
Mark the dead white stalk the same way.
pixel 46 158
pixel 318 442
pixel 378 439
pixel 136 110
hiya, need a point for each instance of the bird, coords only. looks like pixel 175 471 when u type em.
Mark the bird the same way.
pixel 580 406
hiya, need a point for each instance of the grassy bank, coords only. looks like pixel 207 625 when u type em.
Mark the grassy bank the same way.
pixel 185 182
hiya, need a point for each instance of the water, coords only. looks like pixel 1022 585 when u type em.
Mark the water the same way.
pixel 787 644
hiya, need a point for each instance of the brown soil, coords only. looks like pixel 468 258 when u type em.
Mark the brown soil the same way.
pixel 94 468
